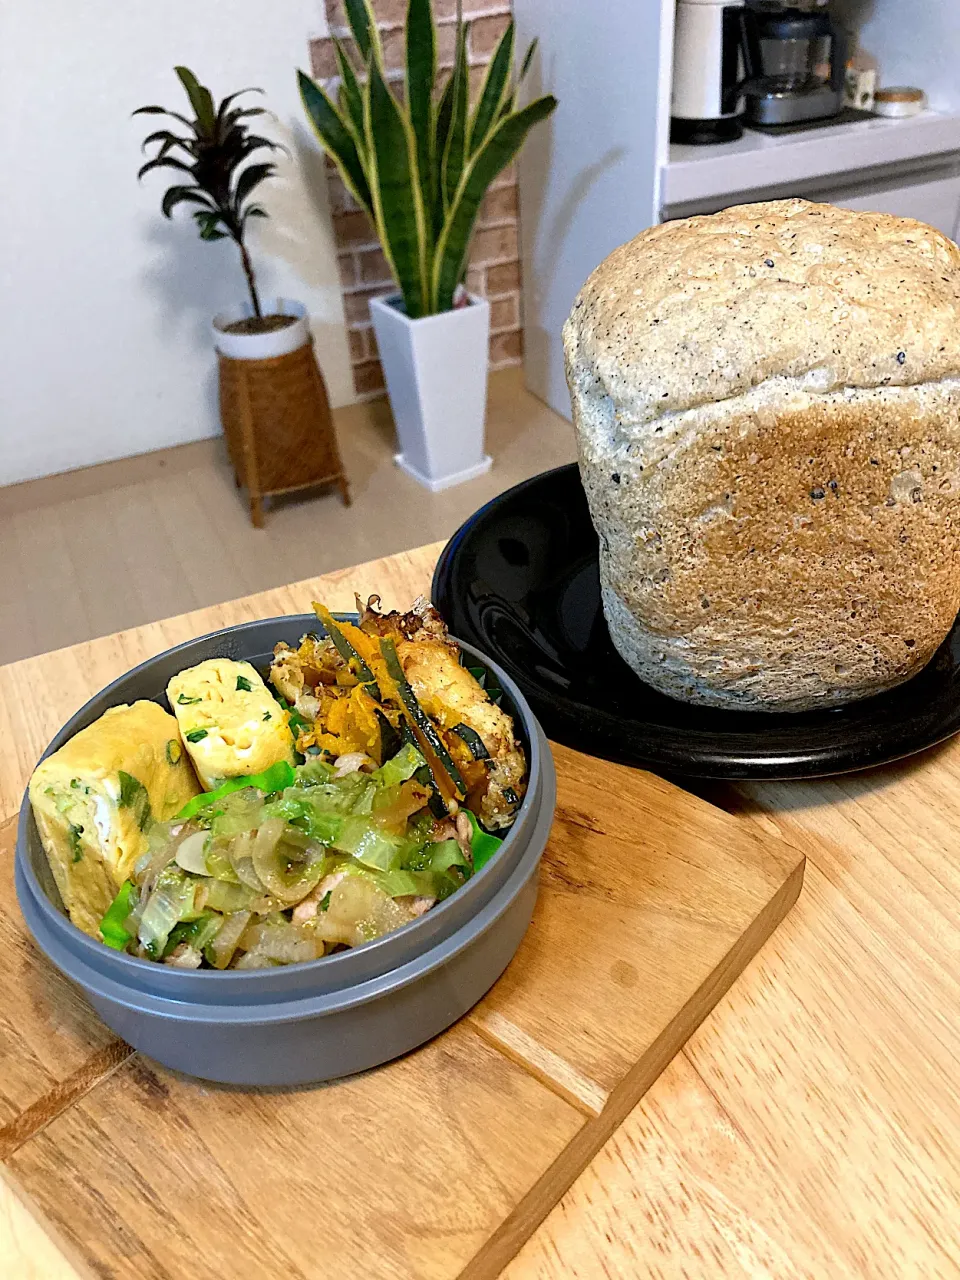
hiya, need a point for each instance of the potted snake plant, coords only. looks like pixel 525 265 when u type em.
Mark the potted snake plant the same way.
pixel 421 168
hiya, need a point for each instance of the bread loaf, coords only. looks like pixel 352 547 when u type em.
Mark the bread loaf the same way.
pixel 767 404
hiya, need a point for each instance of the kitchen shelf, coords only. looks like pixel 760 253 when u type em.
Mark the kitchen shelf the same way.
pixel 759 160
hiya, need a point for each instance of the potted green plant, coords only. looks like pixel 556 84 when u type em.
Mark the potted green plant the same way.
pixel 215 154
pixel 273 400
pixel 420 168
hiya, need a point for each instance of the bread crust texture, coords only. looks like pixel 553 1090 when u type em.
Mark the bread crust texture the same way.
pixel 771 453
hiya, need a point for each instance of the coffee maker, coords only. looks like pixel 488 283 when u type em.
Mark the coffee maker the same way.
pixel 795 59
pixel 708 70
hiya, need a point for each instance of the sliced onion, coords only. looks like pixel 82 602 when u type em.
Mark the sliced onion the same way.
pixel 281 942
pixel 225 943
pixel 246 874
pixel 359 910
pixel 190 853
pixel 269 834
pixel 217 857
pixel 351 762
pixel 281 867
pixel 241 858
pixel 162 858
pixel 165 854
pixel 220 895
pixel 254 960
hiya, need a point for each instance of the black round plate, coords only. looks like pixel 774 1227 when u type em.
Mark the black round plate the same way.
pixel 519 580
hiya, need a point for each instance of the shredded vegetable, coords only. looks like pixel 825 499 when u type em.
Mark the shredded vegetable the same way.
pixel 483 845
pixel 288 865
pixel 275 778
pixel 113 928
pixel 406 766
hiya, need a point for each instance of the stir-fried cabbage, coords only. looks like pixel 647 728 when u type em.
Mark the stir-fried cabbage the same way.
pixel 251 877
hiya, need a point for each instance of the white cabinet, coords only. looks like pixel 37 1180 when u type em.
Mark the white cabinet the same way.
pixel 928 191
pixel 908 167
pixel 935 200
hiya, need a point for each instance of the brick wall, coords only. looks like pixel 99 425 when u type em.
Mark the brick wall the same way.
pixel 494 270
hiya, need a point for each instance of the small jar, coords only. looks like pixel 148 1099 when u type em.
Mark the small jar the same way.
pixel 899 102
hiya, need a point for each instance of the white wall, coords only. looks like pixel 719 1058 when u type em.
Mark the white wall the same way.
pixel 589 174
pixel 104 306
pixel 915 42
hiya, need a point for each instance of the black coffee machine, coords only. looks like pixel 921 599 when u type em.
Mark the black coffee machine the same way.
pixel 795 59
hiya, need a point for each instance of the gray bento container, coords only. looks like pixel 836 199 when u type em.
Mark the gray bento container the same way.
pixel 300 1023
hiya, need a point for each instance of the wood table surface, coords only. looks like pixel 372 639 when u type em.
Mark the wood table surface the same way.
pixel 810 1127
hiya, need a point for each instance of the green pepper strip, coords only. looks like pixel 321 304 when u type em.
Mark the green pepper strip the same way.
pixel 275 778
pixel 482 844
pixel 472 741
pixel 425 774
pixel 390 739
pixel 417 714
pixel 112 925
pixel 348 653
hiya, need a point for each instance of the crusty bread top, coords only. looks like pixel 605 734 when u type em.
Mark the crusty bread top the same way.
pixel 705 308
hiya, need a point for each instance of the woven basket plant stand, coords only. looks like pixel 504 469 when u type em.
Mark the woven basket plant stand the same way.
pixel 276 419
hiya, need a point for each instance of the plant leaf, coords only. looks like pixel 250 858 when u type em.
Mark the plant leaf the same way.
pixel 352 96
pixel 252 143
pixel 237 144
pixel 455 151
pixel 527 60
pixel 494 156
pixel 231 97
pixel 166 148
pixel 254 211
pixel 421 37
pixel 230 120
pixel 441 133
pixel 163 162
pixel 363 24
pixel 207 223
pixel 185 195
pixel 495 89
pixel 510 102
pixel 166 137
pixel 162 111
pixel 335 138
pixel 200 99
pixel 249 179
pixel 397 200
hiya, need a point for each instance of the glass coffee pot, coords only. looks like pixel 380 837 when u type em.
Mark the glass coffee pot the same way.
pixel 795 57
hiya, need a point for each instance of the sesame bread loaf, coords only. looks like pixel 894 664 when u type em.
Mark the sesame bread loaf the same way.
pixel 767 404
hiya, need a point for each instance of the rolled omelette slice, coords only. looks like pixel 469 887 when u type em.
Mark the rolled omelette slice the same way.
pixel 93 801
pixel 230 722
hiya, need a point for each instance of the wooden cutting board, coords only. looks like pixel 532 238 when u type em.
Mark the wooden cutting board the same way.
pixel 444 1162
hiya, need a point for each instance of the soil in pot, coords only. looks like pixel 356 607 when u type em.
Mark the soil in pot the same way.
pixel 260 324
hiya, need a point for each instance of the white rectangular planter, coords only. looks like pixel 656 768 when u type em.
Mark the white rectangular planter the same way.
pixel 436 372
